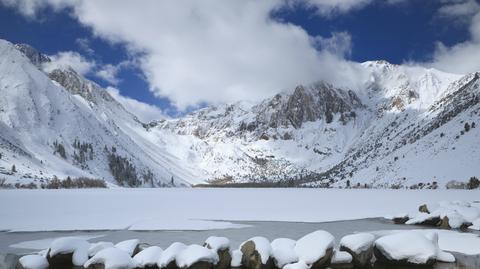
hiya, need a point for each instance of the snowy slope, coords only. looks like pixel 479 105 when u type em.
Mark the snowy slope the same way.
pixel 39 110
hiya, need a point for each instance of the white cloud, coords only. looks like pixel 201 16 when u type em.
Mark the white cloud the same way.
pixel 70 59
pixel 332 7
pixel 340 44
pixel 463 57
pixel 145 112
pixel 213 51
pixel 109 72
pixel 84 44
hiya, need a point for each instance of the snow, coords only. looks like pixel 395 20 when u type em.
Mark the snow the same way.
pixel 458 213
pixel 33 262
pixel 475 225
pixel 442 256
pixel 112 258
pixel 412 246
pixel 236 258
pixel 170 254
pixel 314 246
pixel 217 243
pixel 140 206
pixel 128 246
pixel 77 246
pixel 340 257
pixel 358 242
pixel 148 256
pixel 195 253
pixel 96 247
pixel 262 246
pixel 46 242
pixel 283 251
pixel 297 265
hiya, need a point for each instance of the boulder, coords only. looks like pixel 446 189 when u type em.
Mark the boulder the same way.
pixel 148 257
pixel 256 253
pixel 424 209
pixel 32 262
pixel 111 258
pixel 67 252
pixel 341 260
pixel 283 252
pixel 220 245
pixel 405 249
pixel 167 259
pixel 360 246
pixel 315 249
pixel 132 246
pixel 196 257
pixel 400 220
pixel 236 259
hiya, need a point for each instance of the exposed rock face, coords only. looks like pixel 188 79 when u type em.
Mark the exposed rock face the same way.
pixel 35 57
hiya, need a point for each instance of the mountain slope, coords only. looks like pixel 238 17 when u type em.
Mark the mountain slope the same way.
pixel 60 124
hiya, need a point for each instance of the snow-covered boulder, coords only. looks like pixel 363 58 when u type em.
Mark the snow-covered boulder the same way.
pixel 67 251
pixel 360 246
pixel 297 265
pixel 96 247
pixel 256 253
pixel 475 225
pixel 129 246
pixel 196 257
pixel 169 255
pixel 221 246
pixel 341 260
pixel 32 262
pixel 315 249
pixel 405 248
pixel 236 258
pixel 283 252
pixel 441 255
pixel 148 257
pixel 111 258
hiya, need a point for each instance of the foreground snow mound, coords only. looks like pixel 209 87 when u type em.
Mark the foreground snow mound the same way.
pixel 341 257
pixel 70 245
pixel 33 262
pixel 475 225
pixel 283 251
pixel 217 243
pixel 442 256
pixel 170 254
pixel 195 253
pixel 96 247
pixel 406 248
pixel 112 258
pixel 297 265
pixel 129 246
pixel 360 247
pixel 148 256
pixel 315 247
pixel 236 258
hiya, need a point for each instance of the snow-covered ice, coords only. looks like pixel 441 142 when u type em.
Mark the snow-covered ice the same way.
pixel 78 246
pixel 358 242
pixel 314 246
pixel 216 243
pixel 112 258
pixel 148 256
pixel 128 246
pixel 262 246
pixel 283 251
pixel 170 254
pixel 196 209
pixel 33 262
pixel 195 253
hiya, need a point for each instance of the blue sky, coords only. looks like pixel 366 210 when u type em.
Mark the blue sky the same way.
pixel 408 31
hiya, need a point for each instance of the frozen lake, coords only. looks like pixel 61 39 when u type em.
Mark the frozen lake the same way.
pixel 202 209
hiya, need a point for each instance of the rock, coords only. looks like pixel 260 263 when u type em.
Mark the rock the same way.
pixel 221 245
pixel 66 252
pixel 283 252
pixel 360 246
pixel 400 220
pixel 341 260
pixel 315 249
pixel 424 209
pixel 196 257
pixel 148 257
pixel 32 262
pixel 406 249
pixel 256 254
pixel 110 258
pixel 132 246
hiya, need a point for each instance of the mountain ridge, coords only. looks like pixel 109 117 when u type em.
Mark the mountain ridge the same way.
pixel 405 126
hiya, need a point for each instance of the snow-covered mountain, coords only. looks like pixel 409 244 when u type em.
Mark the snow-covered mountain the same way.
pixel 403 125
pixel 60 124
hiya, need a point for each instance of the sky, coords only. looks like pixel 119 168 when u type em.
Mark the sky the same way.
pixel 166 58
